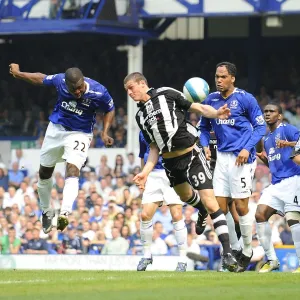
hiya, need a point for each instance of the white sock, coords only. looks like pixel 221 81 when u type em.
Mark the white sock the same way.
pixel 70 193
pixel 295 229
pixel 246 231
pixel 234 242
pixel 44 191
pixel 146 237
pixel 264 232
pixel 181 239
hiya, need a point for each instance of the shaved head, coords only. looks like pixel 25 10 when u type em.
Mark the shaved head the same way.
pixel 75 82
pixel 73 75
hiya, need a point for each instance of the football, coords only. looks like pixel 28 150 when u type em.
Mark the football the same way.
pixel 196 89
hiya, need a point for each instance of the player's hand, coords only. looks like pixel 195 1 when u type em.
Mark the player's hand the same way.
pixel 107 140
pixel 242 158
pixel 284 143
pixel 207 153
pixel 140 180
pixel 14 69
pixel 223 112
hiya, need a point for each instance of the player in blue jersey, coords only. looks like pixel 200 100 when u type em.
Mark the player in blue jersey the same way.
pixel 157 192
pixel 237 137
pixel 68 135
pixel 281 197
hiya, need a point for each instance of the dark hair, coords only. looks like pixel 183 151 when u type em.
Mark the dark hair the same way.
pixel 135 76
pixel 231 68
pixel 279 108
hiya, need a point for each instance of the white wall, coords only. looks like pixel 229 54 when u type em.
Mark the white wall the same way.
pixel 32 158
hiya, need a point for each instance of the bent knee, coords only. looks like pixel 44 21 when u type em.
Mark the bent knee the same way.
pixel 146 216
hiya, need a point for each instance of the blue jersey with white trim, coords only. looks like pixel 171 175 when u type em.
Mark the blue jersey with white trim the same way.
pixel 78 114
pixel 242 130
pixel 280 164
pixel 144 152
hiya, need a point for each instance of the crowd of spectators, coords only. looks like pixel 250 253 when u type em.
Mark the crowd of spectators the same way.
pixel 106 212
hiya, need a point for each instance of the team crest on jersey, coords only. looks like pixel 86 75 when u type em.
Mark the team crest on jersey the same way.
pixel 271 151
pixel 149 107
pixel 233 104
pixel 86 102
pixel 260 120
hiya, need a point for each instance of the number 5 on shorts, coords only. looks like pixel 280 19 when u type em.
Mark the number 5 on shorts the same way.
pixel 243 182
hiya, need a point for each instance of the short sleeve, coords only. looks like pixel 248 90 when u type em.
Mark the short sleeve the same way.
pixel 182 102
pixel 105 102
pixel 143 146
pixel 52 80
pixel 292 133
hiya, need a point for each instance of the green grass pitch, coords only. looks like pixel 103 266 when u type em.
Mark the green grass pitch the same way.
pixel 102 285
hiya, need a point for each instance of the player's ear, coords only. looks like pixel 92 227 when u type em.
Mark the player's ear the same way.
pixel 232 79
pixel 280 117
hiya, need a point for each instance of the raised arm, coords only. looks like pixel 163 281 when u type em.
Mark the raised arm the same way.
pixel 33 78
pixel 209 112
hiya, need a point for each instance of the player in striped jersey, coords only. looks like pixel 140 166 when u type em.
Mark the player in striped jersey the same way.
pixel 162 120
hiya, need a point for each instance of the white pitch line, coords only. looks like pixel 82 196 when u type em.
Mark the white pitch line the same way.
pixel 23 281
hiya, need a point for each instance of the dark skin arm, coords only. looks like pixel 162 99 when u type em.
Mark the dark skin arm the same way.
pixel 260 154
pixel 33 78
pixel 107 121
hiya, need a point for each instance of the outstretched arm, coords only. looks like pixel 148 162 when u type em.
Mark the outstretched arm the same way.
pixel 209 112
pixel 33 78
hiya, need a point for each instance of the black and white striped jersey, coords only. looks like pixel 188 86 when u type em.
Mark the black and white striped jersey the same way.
pixel 162 120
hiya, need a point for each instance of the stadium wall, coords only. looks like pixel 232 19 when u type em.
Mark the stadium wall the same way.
pixel 86 262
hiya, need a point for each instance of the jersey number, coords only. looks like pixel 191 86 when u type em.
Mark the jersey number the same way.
pixel 296 200
pixel 243 182
pixel 201 178
pixel 77 144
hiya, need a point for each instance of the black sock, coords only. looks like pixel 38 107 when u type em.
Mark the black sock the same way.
pixel 196 202
pixel 238 230
pixel 221 229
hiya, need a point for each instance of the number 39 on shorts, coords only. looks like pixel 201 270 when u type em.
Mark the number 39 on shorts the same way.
pixel 199 179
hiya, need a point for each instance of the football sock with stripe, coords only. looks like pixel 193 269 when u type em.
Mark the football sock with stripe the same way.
pixel 221 229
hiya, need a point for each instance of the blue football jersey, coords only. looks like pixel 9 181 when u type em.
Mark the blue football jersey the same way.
pixel 242 130
pixel 280 164
pixel 78 114
pixel 144 152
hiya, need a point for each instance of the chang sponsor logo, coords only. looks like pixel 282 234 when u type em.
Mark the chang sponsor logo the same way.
pixel 71 106
pixel 274 157
pixel 225 122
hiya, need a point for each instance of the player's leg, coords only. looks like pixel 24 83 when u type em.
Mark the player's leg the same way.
pixel 264 231
pixel 76 145
pixel 235 217
pixel 240 186
pixel 45 184
pixel 148 210
pixel 180 234
pixel 50 154
pixel 292 213
pixel 293 220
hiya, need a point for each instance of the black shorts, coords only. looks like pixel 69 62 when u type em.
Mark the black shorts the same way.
pixel 191 167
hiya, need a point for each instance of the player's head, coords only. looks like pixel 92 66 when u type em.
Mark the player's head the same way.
pixel 273 113
pixel 75 82
pixel 225 76
pixel 136 86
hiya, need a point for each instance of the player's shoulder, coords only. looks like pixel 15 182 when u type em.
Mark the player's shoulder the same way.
pixel 288 127
pixel 241 94
pixel 212 97
pixel 166 90
pixel 58 76
pixel 95 88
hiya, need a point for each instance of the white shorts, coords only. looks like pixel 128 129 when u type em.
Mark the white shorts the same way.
pixel 158 189
pixel 283 196
pixel 61 145
pixel 230 180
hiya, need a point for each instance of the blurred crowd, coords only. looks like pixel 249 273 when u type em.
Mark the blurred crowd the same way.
pixel 106 214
